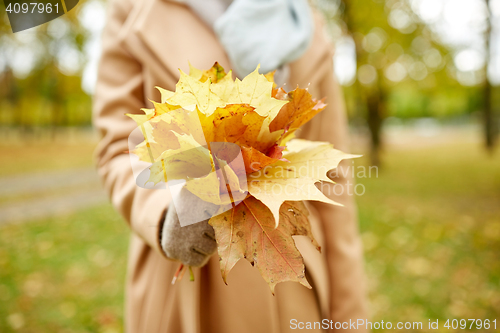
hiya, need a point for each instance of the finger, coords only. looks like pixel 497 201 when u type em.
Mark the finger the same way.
pixel 196 259
pixel 209 235
pixel 198 250
pixel 205 245
pixel 207 230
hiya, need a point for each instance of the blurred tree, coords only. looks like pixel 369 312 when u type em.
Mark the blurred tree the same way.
pixel 38 71
pixel 390 46
pixel 490 121
pixel 403 66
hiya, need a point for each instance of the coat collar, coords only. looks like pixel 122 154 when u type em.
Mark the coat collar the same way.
pixel 165 35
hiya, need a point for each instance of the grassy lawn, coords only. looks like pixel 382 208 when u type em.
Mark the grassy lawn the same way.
pixel 35 157
pixel 431 229
pixel 430 224
pixel 64 274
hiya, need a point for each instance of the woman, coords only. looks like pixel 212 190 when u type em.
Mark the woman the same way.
pixel 144 44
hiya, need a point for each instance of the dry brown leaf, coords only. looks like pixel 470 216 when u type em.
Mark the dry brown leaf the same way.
pixel 248 231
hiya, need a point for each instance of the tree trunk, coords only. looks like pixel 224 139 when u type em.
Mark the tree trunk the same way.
pixel 374 95
pixel 490 121
pixel 490 130
pixel 374 119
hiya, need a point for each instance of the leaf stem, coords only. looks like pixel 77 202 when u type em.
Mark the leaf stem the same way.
pixel 184 269
pixel 174 279
pixel 191 274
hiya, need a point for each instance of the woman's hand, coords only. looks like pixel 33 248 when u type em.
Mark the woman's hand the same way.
pixel 192 244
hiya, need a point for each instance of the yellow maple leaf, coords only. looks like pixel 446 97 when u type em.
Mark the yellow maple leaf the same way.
pixel 256 90
pixel 160 131
pixel 226 124
pixel 190 160
pixel 215 74
pixel 191 93
pixel 213 187
pixel 307 163
pixel 165 94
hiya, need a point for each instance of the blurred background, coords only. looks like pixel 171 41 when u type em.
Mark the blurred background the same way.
pixel 422 85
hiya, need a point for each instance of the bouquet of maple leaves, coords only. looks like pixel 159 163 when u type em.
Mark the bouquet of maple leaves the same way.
pixel 262 120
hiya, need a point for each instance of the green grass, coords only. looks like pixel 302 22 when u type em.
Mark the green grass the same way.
pixel 64 274
pixel 35 157
pixel 431 228
pixel 430 224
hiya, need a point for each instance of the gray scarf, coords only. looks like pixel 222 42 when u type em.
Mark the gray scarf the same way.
pixel 271 33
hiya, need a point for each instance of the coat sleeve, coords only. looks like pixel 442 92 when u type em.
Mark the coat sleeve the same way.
pixel 342 242
pixel 120 90
pixel 344 249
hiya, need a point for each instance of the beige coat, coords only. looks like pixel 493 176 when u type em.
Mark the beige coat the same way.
pixel 144 44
